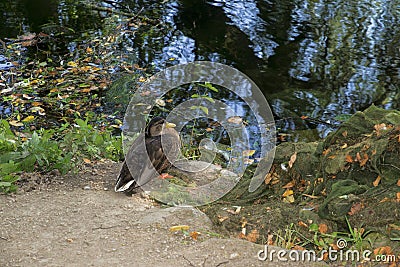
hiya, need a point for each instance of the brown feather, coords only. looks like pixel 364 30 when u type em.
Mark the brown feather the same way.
pixel 165 142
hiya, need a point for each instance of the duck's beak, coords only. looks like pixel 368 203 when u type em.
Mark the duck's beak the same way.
pixel 170 125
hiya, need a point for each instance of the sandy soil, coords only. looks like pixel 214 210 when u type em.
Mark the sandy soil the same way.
pixel 77 220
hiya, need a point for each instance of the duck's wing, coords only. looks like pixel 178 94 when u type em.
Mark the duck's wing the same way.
pixel 134 168
pixel 163 151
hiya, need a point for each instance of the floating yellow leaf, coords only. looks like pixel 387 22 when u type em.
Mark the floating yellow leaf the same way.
pixel 179 228
pixel 27 96
pixel 235 120
pixel 16 123
pixel 35 104
pixel 72 64
pixel 160 102
pixel 248 153
pixel 142 79
pixel 386 250
pixel 29 119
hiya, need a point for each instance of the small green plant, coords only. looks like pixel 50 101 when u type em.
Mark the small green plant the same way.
pixel 46 150
pixel 287 238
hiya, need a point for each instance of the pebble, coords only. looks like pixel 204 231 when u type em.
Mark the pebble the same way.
pixel 87 187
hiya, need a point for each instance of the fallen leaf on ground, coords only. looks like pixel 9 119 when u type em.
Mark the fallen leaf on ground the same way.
pixel 377 181
pixel 29 119
pixel 386 250
pixel 310 196
pixel 349 159
pixel 253 236
pixel 292 159
pixel 222 218
pixel 165 176
pixel 194 235
pixel 323 228
pixel 86 160
pixel 356 207
pixel 364 160
pixel 179 228
pixel 288 192
pixel 302 224
pixel 289 199
pixel 288 185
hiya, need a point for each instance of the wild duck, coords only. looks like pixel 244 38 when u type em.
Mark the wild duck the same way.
pixel 160 140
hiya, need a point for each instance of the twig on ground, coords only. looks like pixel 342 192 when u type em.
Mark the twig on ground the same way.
pixel 191 264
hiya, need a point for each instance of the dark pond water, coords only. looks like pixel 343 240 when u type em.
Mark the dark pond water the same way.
pixel 320 59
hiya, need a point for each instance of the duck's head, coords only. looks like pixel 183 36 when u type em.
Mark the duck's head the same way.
pixel 157 126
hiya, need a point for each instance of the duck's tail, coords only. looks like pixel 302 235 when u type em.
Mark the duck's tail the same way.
pixel 125 181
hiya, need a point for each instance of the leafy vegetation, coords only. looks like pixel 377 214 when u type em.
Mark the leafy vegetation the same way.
pixel 44 150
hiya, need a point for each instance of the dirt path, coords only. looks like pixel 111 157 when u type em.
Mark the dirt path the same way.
pixel 79 221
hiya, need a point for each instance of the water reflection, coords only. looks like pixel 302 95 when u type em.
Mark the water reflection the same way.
pixel 315 58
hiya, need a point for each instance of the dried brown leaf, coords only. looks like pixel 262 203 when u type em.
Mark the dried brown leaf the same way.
pixel 323 228
pixel 292 159
pixel 349 159
pixel 386 250
pixel 302 224
pixel 289 185
pixel 268 178
pixel 377 181
pixel 253 236
pixel 364 160
pixel 194 235
pixel 355 208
